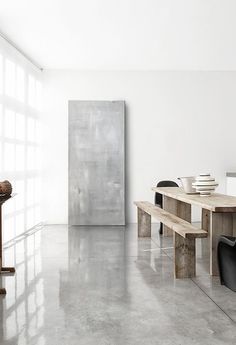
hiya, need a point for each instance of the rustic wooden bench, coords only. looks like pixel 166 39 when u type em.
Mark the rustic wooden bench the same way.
pixel 184 236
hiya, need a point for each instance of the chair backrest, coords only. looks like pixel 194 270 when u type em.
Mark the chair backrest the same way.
pixel 158 196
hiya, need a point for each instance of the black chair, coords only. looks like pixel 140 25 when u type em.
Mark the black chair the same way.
pixel 227 261
pixel 158 197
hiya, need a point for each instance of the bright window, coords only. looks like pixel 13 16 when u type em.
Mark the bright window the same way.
pixel 20 143
pixel 1 74
pixel 20 84
pixel 10 78
pixel 9 122
pixel 20 126
pixel 31 91
pixel 9 157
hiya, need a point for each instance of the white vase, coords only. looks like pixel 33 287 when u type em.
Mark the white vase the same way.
pixel 205 184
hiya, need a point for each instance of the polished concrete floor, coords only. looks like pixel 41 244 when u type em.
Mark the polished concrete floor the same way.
pixel 103 286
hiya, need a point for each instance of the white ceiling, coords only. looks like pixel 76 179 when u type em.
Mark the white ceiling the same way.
pixel 124 34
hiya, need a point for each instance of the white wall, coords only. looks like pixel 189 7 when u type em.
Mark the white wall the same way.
pixel 178 124
pixel 124 34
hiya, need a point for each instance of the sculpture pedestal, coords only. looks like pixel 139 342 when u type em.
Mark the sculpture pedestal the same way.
pixel 4 270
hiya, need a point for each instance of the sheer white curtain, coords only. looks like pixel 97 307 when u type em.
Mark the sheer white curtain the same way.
pixel 20 140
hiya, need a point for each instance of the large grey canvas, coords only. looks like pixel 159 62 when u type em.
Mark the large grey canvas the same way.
pixel 96 162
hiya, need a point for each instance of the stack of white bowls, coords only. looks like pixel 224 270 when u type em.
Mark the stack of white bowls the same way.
pixel 205 184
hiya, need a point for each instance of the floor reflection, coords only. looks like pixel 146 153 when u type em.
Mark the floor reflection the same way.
pixel 22 309
pixel 104 286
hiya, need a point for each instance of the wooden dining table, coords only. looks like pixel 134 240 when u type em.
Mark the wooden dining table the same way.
pixel 218 216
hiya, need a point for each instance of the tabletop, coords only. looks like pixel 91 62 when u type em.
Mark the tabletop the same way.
pixel 215 202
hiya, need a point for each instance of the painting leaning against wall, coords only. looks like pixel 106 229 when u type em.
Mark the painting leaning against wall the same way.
pixel 96 162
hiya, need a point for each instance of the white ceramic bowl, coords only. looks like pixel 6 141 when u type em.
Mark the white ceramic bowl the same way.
pixel 205 184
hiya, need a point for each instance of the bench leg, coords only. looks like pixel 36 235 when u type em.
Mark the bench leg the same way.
pixel 144 224
pixel 184 257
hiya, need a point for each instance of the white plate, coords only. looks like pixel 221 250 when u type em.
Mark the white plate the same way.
pixel 206 178
pixel 205 188
pixel 205 183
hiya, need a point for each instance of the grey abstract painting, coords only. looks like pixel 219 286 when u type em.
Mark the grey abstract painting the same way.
pixel 96 163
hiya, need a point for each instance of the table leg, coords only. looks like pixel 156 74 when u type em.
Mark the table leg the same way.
pixel 205 225
pixel 220 224
pixel 206 219
pixel 170 205
pixel 144 224
pixel 178 208
pixel 234 224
